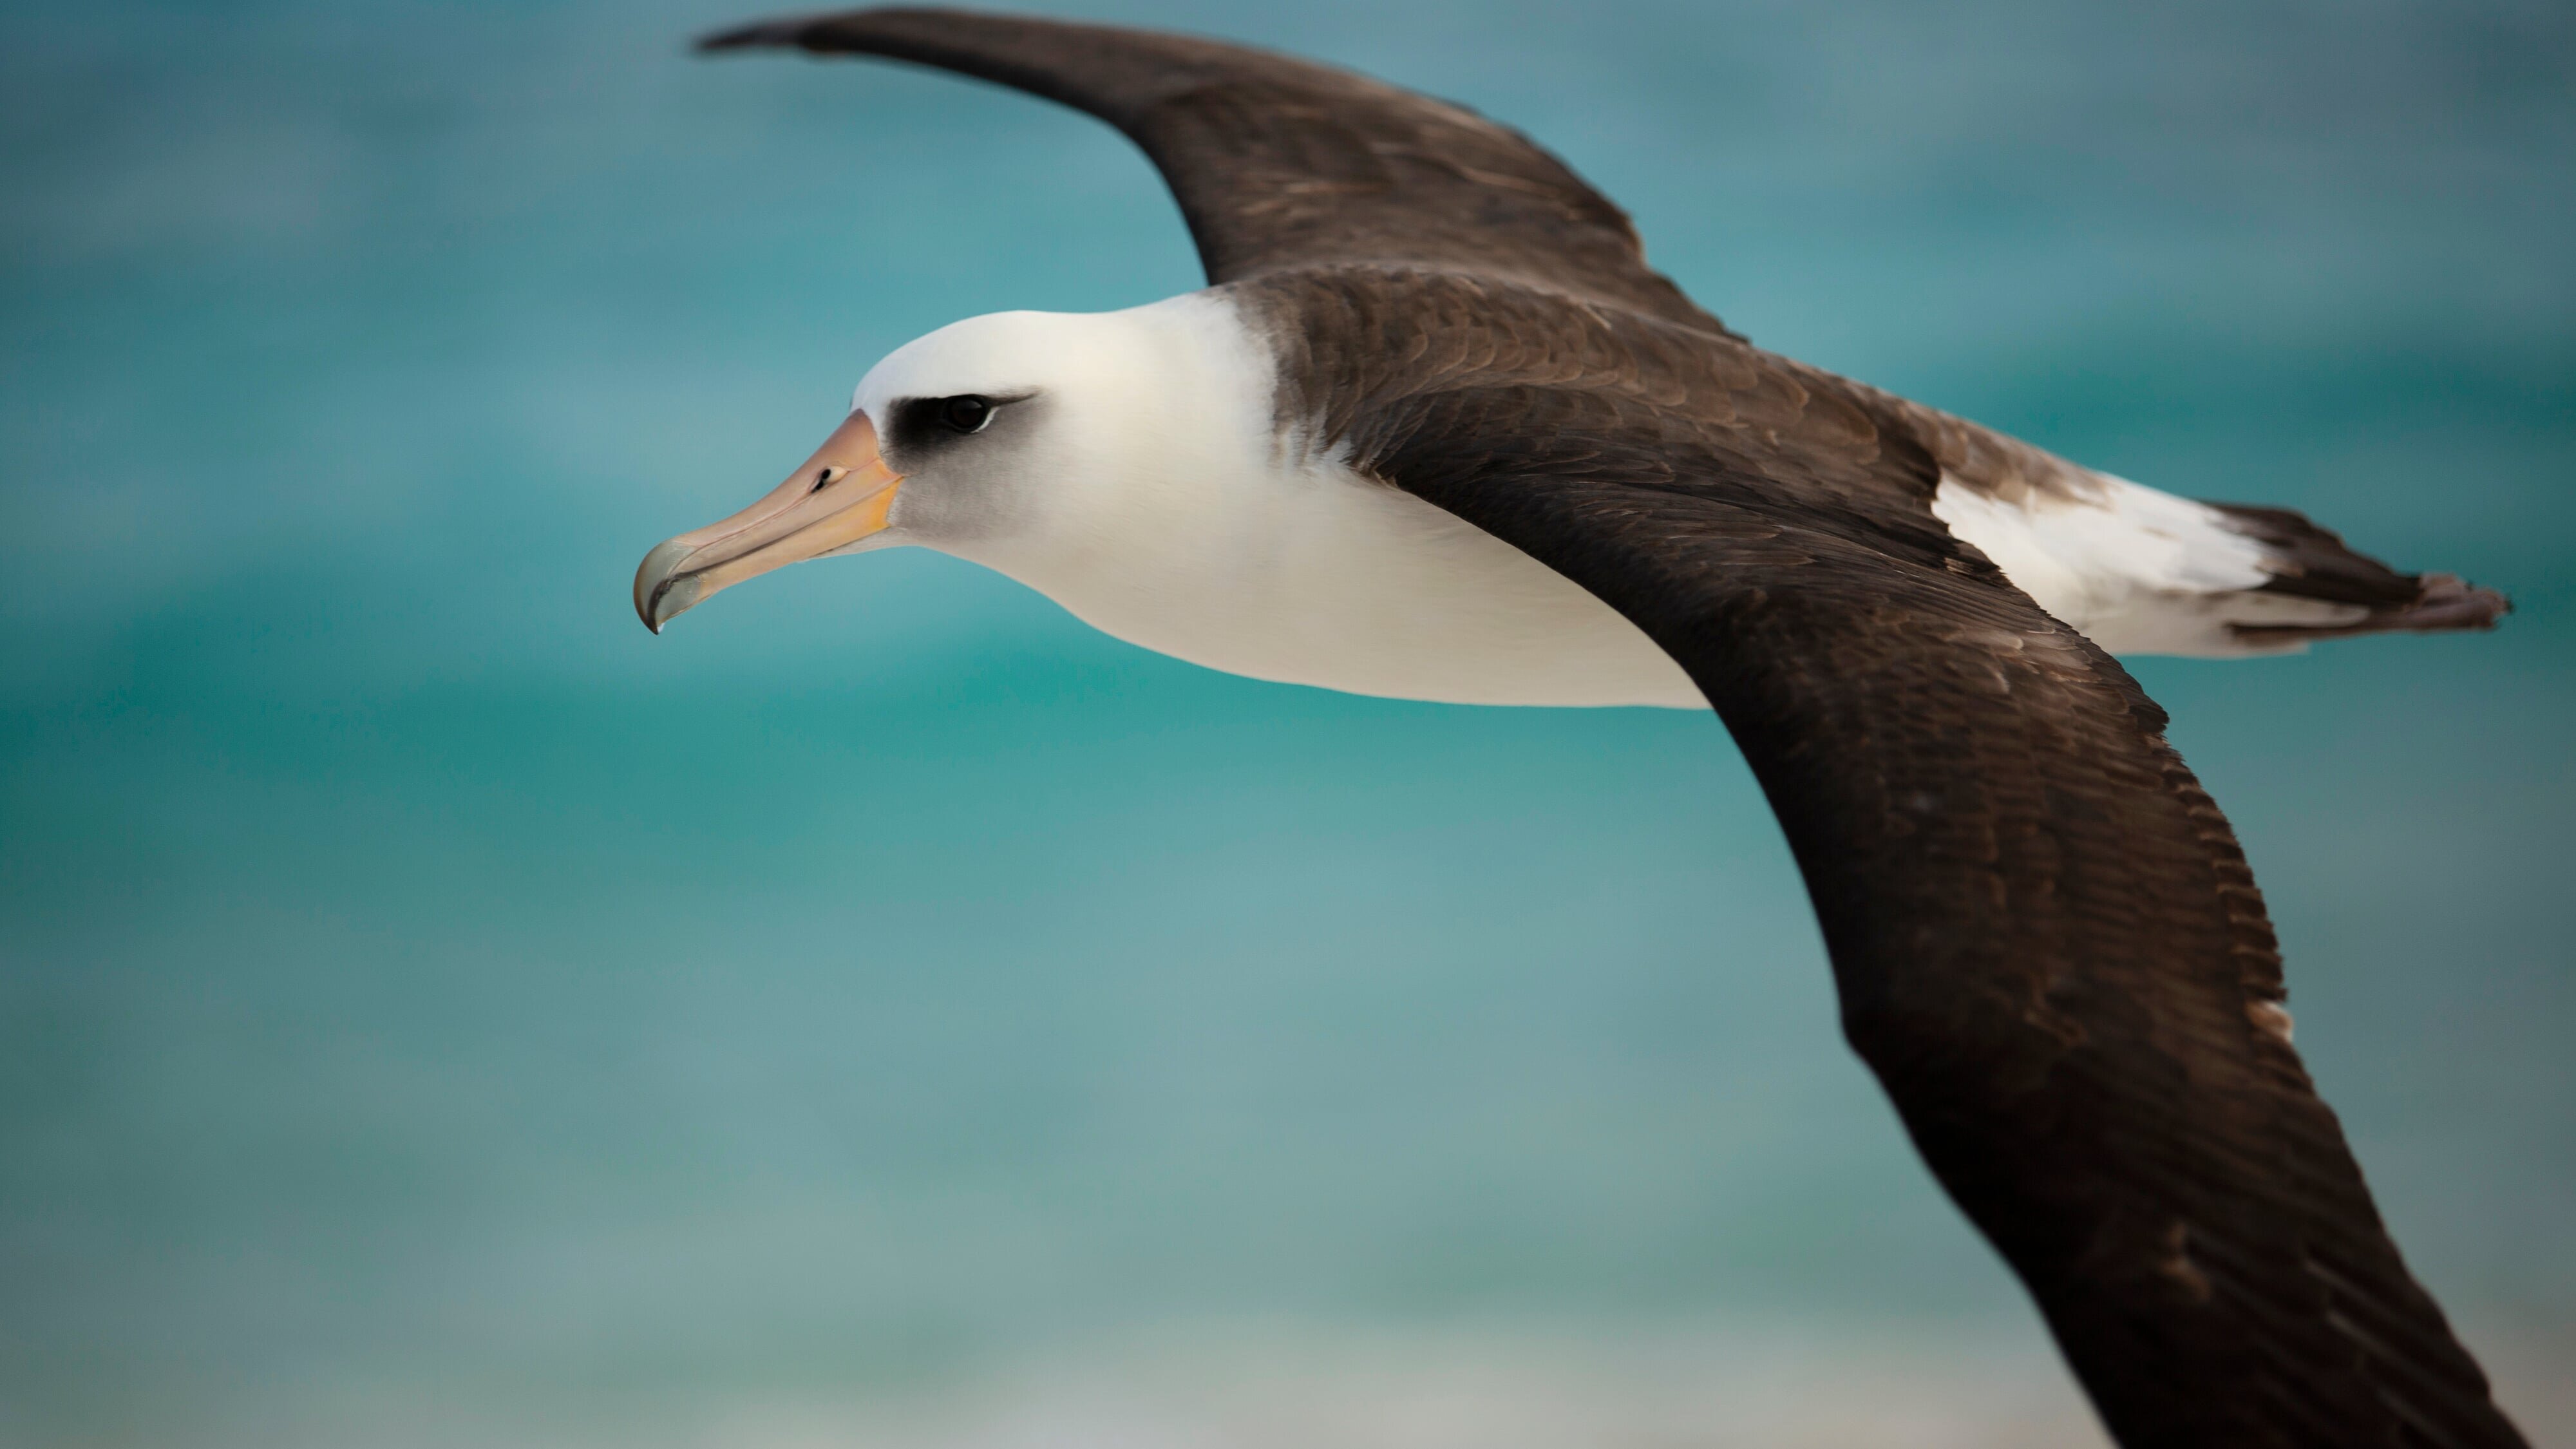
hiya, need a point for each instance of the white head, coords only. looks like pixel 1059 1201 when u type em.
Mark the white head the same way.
pixel 1017 439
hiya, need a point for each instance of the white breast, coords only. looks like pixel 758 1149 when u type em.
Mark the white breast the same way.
pixel 1322 577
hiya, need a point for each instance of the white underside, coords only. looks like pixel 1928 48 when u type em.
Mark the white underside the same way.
pixel 1171 515
pixel 1318 576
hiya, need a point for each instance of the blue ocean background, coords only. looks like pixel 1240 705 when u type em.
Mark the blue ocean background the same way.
pixel 434 1012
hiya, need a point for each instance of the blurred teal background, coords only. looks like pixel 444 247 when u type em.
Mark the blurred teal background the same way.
pixel 435 1012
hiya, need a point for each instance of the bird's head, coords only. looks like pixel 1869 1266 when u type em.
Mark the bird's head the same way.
pixel 989 438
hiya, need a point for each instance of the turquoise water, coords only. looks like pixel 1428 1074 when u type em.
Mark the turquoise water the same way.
pixel 434 1011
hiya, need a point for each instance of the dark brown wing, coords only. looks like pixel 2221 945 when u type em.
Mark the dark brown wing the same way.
pixel 1285 163
pixel 2047 942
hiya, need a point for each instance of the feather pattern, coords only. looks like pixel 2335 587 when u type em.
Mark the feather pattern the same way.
pixel 2046 940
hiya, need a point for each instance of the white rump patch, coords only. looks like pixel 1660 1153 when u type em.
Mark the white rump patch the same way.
pixel 2136 570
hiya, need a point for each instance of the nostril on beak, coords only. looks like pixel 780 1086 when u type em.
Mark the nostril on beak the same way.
pixel 824 476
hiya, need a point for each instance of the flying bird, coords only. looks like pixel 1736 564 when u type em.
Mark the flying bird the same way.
pixel 1435 430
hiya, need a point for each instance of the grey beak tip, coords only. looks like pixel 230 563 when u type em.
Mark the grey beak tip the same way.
pixel 671 598
pixel 661 590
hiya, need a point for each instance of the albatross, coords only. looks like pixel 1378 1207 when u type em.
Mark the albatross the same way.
pixel 1435 430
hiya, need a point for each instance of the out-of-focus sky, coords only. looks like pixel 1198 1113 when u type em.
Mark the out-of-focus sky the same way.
pixel 435 1012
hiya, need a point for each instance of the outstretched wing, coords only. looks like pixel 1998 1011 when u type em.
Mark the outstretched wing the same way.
pixel 2047 943
pixel 1285 163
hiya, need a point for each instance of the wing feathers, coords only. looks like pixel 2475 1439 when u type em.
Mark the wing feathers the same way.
pixel 2046 940
pixel 1284 163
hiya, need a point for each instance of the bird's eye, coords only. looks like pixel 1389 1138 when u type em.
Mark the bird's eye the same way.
pixel 966 413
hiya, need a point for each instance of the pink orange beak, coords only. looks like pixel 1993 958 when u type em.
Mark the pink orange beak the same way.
pixel 840 496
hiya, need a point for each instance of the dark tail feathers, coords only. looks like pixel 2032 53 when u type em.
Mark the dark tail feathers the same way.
pixel 2314 563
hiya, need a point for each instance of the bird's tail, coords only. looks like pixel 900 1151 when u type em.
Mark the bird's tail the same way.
pixel 2305 561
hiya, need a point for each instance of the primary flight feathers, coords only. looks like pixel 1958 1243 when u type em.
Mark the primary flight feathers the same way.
pixel 2046 939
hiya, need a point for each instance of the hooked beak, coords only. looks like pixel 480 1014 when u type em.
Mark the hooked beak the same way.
pixel 837 498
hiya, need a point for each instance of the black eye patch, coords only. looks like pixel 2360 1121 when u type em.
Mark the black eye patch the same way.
pixel 924 424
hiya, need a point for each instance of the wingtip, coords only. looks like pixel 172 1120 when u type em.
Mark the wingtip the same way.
pixel 824 31
pixel 758 35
